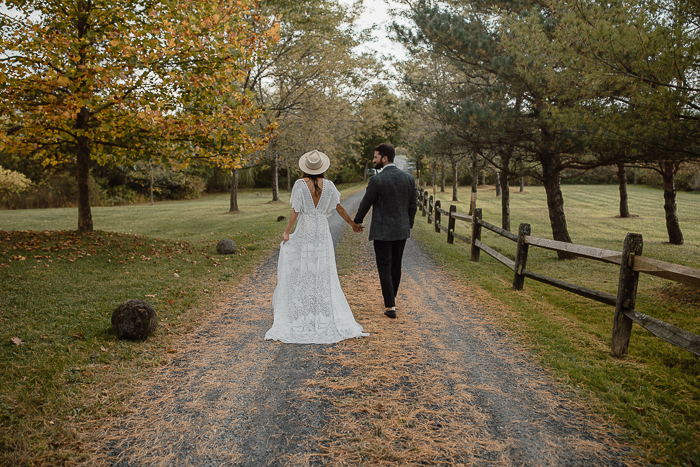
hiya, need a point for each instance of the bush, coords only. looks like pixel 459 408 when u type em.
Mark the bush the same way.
pixel 219 181
pixel 695 182
pixel 349 174
pixel 13 183
pixel 121 194
pixel 688 177
pixel 167 184
pixel 599 176
pixel 61 190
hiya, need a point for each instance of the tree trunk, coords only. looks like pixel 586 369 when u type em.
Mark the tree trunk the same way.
pixel 622 181
pixel 675 236
pixel 289 177
pixel 498 182
pixel 364 177
pixel 522 177
pixel 506 175
pixel 274 164
pixel 455 180
pixel 442 176
pixel 505 204
pixel 234 191
pixel 555 202
pixel 434 173
pixel 83 166
pixel 475 175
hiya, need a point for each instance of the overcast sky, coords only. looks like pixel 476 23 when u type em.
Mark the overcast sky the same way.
pixel 377 12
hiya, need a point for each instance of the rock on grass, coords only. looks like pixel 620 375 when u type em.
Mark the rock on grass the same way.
pixel 134 320
pixel 226 247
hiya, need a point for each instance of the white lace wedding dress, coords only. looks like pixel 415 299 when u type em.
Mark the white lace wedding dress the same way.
pixel 309 305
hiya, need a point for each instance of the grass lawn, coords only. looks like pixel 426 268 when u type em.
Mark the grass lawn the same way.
pixel 62 369
pixel 654 392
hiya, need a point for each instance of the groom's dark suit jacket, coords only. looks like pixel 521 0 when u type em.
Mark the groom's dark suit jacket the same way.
pixel 393 197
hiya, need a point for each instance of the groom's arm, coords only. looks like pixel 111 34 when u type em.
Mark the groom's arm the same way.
pixel 413 203
pixel 367 200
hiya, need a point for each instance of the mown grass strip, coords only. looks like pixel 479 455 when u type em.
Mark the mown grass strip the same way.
pixel 65 371
pixel 654 393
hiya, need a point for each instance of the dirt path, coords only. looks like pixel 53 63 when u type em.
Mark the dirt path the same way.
pixel 440 385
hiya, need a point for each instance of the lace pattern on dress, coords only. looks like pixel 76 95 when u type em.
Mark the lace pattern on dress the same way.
pixel 309 304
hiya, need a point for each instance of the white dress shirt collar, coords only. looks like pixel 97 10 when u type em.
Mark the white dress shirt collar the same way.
pixel 388 165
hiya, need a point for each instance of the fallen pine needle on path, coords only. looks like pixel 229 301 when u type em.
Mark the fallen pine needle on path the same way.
pixel 442 384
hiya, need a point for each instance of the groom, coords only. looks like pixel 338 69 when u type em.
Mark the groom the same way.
pixel 392 194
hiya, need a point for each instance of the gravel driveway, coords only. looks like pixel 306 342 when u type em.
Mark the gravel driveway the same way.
pixel 443 384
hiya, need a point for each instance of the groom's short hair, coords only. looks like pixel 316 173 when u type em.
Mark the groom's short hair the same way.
pixel 386 149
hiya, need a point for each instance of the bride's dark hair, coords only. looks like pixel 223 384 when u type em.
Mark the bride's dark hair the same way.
pixel 314 178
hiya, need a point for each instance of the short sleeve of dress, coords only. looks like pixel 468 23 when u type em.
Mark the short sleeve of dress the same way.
pixel 334 198
pixel 296 199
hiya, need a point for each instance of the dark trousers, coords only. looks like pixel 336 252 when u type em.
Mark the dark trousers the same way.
pixel 389 255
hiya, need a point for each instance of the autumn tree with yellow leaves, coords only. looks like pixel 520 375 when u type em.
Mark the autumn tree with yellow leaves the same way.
pixel 112 82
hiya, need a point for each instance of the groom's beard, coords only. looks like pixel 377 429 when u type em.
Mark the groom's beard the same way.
pixel 378 166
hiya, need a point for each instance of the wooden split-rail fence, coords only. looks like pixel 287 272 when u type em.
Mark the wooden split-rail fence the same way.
pixel 630 260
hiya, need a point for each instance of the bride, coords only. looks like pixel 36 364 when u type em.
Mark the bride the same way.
pixel 309 305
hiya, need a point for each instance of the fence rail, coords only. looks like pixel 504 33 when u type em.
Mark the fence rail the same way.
pixel 630 260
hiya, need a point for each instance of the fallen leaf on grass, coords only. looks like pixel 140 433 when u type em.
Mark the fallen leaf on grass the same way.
pixel 639 409
pixel 102 348
pixel 17 341
pixel 171 302
pixel 78 335
pixel 176 275
pixel 172 350
pixel 153 295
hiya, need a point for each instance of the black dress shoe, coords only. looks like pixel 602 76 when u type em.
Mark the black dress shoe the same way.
pixel 390 313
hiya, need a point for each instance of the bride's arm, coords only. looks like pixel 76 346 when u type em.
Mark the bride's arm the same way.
pixel 292 219
pixel 346 217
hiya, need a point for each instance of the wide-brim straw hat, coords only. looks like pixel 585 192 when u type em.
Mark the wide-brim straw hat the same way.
pixel 314 162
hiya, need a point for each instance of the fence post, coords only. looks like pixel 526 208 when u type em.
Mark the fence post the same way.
pixel 451 225
pixel 476 235
pixel 521 257
pixel 425 202
pixel 626 296
pixel 438 216
pixel 431 211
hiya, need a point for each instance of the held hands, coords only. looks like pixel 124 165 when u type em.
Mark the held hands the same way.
pixel 357 228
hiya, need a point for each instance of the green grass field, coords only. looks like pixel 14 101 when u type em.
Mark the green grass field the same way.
pixel 654 393
pixel 59 289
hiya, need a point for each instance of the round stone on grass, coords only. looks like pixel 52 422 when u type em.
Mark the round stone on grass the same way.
pixel 134 320
pixel 226 247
